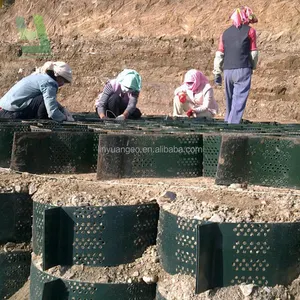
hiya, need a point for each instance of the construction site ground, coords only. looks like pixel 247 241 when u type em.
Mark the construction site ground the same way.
pixel 161 39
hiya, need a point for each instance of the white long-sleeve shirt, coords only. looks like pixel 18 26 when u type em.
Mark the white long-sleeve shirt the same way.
pixel 202 101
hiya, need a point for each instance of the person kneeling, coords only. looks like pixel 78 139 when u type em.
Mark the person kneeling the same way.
pixel 119 97
pixel 34 96
pixel 195 97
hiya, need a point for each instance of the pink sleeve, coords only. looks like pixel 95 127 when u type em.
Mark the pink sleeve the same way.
pixel 252 37
pixel 221 46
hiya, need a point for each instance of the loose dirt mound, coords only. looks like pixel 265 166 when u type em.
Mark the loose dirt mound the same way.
pixel 182 287
pixel 192 197
pixel 143 269
pixel 23 293
pixel 161 39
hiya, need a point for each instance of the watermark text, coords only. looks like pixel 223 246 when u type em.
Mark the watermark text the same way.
pixel 151 150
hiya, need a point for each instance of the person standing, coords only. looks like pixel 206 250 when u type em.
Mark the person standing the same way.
pixel 237 56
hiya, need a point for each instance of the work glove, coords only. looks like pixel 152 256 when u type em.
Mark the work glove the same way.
pixel 68 115
pixel 182 97
pixel 190 112
pixel 218 79
pixel 120 118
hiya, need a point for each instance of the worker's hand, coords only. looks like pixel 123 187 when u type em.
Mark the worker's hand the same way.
pixel 68 115
pixel 102 116
pixel 70 119
pixel 190 112
pixel 218 79
pixel 120 118
pixel 182 97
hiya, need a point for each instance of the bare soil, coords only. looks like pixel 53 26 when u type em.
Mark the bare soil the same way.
pixel 13 247
pixel 182 287
pixel 196 198
pixel 23 293
pixel 161 39
pixel 236 204
pixel 144 269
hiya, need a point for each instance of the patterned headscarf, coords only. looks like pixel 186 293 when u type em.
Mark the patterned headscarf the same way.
pixel 197 79
pixel 243 15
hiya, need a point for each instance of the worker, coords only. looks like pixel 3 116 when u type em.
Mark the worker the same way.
pixel 34 96
pixel 120 96
pixel 237 56
pixel 195 97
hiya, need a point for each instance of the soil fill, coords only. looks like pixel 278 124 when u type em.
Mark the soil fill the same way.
pixel 143 269
pixel 182 287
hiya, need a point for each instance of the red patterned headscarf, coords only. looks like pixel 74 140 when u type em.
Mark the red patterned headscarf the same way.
pixel 243 15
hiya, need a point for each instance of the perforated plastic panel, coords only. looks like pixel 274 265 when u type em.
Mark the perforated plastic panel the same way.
pixel 95 152
pixel 54 126
pixel 258 253
pixel 266 160
pixel 54 152
pixel 177 243
pixel 44 286
pixel 38 226
pixel 275 161
pixel 211 148
pixel 229 253
pixel 97 236
pixel 6 140
pixel 15 217
pixel 151 155
pixel 14 272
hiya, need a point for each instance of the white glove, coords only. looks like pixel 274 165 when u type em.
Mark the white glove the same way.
pixel 68 115
pixel 120 118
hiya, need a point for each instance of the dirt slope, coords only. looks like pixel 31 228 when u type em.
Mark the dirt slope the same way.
pixel 162 40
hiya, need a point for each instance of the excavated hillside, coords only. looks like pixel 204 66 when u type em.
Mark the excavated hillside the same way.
pixel 161 39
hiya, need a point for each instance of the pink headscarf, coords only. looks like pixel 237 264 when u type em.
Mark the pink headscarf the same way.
pixel 198 79
pixel 243 15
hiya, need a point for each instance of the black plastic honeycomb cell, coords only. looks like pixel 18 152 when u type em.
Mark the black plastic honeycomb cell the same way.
pixel 149 155
pixel 224 254
pixel 7 130
pixel 14 271
pixel 45 286
pixel 264 254
pixel 259 159
pixel 54 152
pixel 93 235
pixel 15 217
pixel 177 243
pixel 211 148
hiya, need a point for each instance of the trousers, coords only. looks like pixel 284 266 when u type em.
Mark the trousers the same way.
pixel 237 88
pixel 116 106
pixel 35 110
